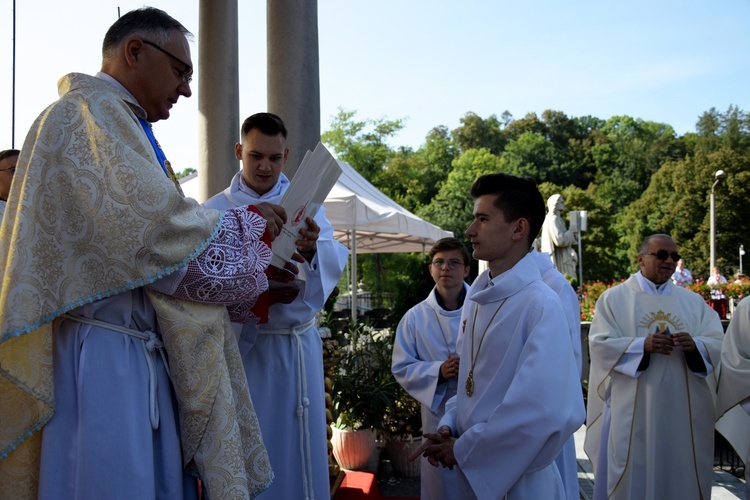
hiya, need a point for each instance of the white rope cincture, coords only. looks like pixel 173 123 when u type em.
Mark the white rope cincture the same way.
pixel 303 403
pixel 151 343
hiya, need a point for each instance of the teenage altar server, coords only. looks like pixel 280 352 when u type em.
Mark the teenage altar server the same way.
pixel 425 360
pixel 519 395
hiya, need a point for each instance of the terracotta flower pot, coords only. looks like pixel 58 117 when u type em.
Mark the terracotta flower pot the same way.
pixel 353 449
pixel 399 451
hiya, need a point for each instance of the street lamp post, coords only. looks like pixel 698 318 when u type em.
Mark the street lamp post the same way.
pixel 742 252
pixel 718 175
pixel 579 223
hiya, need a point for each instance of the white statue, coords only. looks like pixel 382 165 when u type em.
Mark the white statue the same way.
pixel 558 241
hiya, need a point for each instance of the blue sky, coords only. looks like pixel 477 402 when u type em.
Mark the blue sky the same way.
pixel 428 62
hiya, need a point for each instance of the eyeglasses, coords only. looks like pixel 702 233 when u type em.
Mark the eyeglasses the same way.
pixel 187 75
pixel 12 169
pixel 663 254
pixel 451 264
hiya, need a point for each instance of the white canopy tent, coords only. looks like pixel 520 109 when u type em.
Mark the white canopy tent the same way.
pixel 365 220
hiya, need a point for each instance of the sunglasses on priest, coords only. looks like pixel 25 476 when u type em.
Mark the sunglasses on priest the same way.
pixel 663 254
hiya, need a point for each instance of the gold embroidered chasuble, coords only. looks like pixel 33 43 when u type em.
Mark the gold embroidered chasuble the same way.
pixel 91 214
pixel 660 440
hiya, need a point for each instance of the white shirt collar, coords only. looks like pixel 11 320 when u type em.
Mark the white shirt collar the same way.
pixel 648 286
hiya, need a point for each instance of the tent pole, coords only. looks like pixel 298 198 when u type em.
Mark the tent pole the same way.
pixel 353 293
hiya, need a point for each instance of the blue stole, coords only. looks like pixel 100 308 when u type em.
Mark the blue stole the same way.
pixel 163 162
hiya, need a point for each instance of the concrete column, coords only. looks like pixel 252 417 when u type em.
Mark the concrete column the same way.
pixel 293 74
pixel 218 96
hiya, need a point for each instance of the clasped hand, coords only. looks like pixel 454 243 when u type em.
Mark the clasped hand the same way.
pixel 437 448
pixel 449 368
pixel 660 343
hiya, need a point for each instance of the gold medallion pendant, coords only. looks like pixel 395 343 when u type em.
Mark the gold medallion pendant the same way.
pixel 470 385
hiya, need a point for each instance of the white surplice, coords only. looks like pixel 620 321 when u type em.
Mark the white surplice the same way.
pixel 527 397
pixel 650 431
pixel 734 383
pixel 425 337
pixel 283 361
pixel 566 461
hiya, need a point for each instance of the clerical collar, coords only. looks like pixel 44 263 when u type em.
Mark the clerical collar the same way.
pixel 461 298
pixel 648 286
pixel 275 190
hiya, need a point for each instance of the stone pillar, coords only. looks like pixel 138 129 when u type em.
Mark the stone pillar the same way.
pixel 293 74
pixel 218 96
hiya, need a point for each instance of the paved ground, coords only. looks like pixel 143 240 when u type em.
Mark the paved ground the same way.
pixel 726 486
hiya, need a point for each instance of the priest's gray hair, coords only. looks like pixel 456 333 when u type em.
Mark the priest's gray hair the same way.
pixel 151 23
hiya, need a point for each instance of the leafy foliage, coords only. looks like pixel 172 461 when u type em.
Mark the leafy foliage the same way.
pixel 451 209
pixel 363 386
pixel 185 173
pixel 634 177
pixel 364 392
pixel 403 419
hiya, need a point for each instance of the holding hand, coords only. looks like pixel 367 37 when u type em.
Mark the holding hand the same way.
pixel 307 242
pixel 444 431
pixel 275 216
pixel 285 295
pixel 285 275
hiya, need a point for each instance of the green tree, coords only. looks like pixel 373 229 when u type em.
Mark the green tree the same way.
pixel 532 155
pixel 413 178
pixel 635 149
pixel 729 130
pixel 476 132
pixel 363 144
pixel 185 173
pixel 452 208
pixel 677 203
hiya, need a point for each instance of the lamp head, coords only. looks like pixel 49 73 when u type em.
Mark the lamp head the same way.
pixel 719 174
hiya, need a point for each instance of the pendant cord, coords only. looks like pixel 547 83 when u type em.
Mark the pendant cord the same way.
pixel 470 379
pixel 442 332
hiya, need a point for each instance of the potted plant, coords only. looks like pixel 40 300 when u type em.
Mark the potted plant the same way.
pixel 402 428
pixel 362 390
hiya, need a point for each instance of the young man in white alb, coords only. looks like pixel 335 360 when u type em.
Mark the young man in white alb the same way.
pixel 519 395
pixel 425 360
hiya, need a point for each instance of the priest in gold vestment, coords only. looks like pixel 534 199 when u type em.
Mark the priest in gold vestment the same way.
pixel 655 353
pixel 120 376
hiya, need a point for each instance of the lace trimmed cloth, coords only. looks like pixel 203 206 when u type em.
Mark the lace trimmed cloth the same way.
pixel 230 271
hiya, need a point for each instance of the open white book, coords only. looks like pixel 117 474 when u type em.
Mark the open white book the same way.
pixel 314 179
